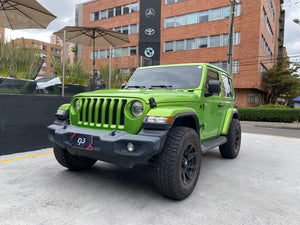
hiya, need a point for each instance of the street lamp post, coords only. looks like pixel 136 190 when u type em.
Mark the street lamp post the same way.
pixel 230 35
pixel 296 21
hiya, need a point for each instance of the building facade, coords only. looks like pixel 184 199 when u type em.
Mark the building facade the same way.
pixel 70 48
pixel 183 31
pixel 45 51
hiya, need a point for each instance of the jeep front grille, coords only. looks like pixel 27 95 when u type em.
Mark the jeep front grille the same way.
pixel 102 112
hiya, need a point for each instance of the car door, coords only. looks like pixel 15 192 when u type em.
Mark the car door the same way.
pixel 213 108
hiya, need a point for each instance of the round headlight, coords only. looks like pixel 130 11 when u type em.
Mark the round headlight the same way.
pixel 77 105
pixel 137 109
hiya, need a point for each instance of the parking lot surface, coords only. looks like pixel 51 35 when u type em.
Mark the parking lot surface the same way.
pixel 261 186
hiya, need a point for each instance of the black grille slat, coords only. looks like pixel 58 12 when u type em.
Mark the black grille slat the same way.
pixel 87 110
pixel 93 110
pixel 107 111
pixel 81 112
pixel 100 111
pixel 122 119
pixel 114 120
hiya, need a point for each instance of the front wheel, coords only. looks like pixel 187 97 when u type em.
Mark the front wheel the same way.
pixel 231 148
pixel 177 167
pixel 70 161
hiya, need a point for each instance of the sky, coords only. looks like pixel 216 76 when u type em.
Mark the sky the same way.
pixel 65 12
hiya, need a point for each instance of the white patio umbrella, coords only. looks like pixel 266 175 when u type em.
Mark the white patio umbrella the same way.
pixel 92 36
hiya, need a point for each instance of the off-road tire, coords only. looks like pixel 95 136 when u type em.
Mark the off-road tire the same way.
pixel 172 167
pixel 231 148
pixel 70 161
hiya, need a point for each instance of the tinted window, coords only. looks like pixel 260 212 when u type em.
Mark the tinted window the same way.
pixel 211 75
pixel 227 86
pixel 177 77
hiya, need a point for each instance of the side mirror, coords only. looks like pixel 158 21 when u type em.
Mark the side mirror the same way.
pixel 214 87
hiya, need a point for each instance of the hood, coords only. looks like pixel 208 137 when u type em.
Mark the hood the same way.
pixel 160 95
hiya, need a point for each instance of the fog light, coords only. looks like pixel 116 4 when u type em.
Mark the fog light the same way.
pixel 130 147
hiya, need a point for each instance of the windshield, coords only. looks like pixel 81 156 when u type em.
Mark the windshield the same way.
pixel 175 77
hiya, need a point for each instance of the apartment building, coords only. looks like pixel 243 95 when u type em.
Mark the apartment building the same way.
pixel 70 48
pixel 45 51
pixel 183 31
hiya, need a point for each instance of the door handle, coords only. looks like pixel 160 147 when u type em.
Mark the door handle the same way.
pixel 220 105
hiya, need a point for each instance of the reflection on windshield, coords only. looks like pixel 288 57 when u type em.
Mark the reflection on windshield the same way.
pixel 174 77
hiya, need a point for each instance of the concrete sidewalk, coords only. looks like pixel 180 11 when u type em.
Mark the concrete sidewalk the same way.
pixel 295 126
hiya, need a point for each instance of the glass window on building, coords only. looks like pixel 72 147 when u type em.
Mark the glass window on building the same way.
pixel 192 18
pixel 238 10
pixel 236 38
pixel 169 46
pixel 180 45
pixel 96 16
pixel 216 14
pixel 118 29
pixel 191 44
pixel 44 64
pixel 125 52
pixel 215 41
pixel 103 54
pixel 262 69
pixel 202 42
pixel 125 30
pixel 117 52
pixel 226 12
pixel 203 16
pixel 225 39
pixel 126 9
pixel 170 22
pixel 254 97
pixel 169 1
pixel 111 12
pixel 180 21
pixel 118 11
pixel 103 14
pixel 133 50
pixel 235 66
pixel 133 29
pixel 135 7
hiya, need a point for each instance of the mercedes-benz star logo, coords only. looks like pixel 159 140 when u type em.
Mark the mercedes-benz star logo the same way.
pixel 150 13
pixel 149 31
pixel 149 52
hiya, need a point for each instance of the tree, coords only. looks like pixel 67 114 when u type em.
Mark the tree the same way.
pixel 281 81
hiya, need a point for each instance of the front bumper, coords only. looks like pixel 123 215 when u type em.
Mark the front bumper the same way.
pixel 110 147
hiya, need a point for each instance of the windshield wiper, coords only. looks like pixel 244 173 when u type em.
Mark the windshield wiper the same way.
pixel 136 86
pixel 161 86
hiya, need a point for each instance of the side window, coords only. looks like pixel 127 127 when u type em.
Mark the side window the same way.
pixel 211 75
pixel 227 86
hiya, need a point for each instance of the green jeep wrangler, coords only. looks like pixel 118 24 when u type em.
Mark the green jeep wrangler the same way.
pixel 166 116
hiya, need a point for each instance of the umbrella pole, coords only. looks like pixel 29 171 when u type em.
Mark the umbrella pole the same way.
pixel 94 53
pixel 110 56
pixel 64 65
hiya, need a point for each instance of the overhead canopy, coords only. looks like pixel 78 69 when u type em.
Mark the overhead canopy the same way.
pixel 24 14
pixel 297 99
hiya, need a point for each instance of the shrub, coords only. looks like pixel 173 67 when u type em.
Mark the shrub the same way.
pixel 285 115
pixel 270 106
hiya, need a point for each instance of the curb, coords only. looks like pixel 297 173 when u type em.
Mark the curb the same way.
pixel 294 126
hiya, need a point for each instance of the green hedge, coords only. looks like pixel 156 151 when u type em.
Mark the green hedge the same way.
pixel 269 114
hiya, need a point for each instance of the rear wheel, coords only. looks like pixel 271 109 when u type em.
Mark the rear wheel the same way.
pixel 177 167
pixel 70 161
pixel 231 148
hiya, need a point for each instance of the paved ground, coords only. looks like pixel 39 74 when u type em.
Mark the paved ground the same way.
pixel 261 186
pixel 277 129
